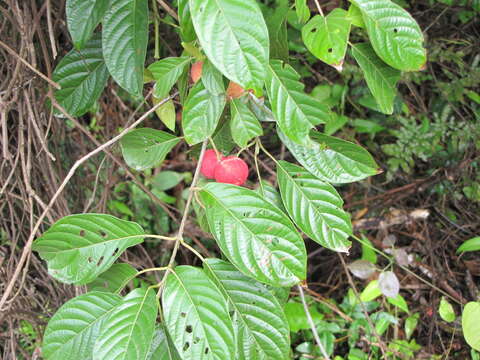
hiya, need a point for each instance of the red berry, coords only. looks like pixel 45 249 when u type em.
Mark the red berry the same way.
pixel 209 163
pixel 231 170
pixel 196 71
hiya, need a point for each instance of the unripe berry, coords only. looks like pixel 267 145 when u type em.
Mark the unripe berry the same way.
pixel 209 163
pixel 231 170
pixel 234 90
pixel 196 71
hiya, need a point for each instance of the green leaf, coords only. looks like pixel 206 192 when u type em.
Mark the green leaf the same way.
pixel 472 244
pixel 83 16
pixel 128 331
pixel 196 316
pixel 331 159
pixel 254 235
pixel 77 248
pixel 82 75
pixel 201 113
pixel 167 180
pixel 371 292
pixel 326 37
pixel 162 346
pixel 221 27
pixel 145 148
pixel 446 310
pixel 281 294
pixel 277 31
pixel 166 113
pixel 394 34
pixel 269 193
pixel 187 31
pixel 337 122
pixel 410 325
pixel 71 333
pixel 295 111
pixel 212 79
pixel 381 78
pixel 113 279
pixel 471 324
pixel 303 12
pixel 368 252
pixel 166 73
pixel 125 38
pixel 243 125
pixel 315 207
pixel 297 318
pixel 399 302
pixel 261 326
pixel 355 16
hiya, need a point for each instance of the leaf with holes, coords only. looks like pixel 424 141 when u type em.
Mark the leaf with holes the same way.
pixel 201 113
pixel 295 111
pixel 326 37
pixel 83 16
pixel 394 34
pixel 71 333
pixel 125 38
pixel 77 248
pixel 244 125
pixel 82 75
pixel 113 279
pixel 196 316
pixel 145 148
pixel 381 78
pixel 261 326
pixel 314 206
pixel 333 160
pixel 234 36
pixel 162 347
pixel 128 331
pixel 166 73
pixel 258 238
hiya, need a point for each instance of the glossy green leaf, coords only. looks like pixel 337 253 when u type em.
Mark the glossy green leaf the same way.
pixel 212 79
pixel 128 332
pixel 297 318
pixel 315 207
pixel 446 310
pixel 254 235
pixel 472 244
pixel 302 10
pixel 201 113
pixel 295 111
pixel 326 37
pixel 71 333
pixel 166 73
pixel 196 316
pixel 277 31
pixel 281 294
pixel 83 16
pixel 331 159
pixel 399 302
pixel 355 16
pixel 394 34
pixel 243 124
pixel 471 324
pixel 77 248
pixel 411 324
pixel 125 38
pixel 234 36
pixel 113 279
pixel 145 148
pixel 261 327
pixel 162 347
pixel 187 31
pixel 82 75
pixel 166 113
pixel 269 193
pixel 371 292
pixel 381 78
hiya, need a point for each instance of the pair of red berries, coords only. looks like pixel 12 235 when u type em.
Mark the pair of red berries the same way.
pixel 229 169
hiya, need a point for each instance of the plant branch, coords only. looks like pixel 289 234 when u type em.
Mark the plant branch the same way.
pixel 312 324
pixel 168 9
pixel 28 245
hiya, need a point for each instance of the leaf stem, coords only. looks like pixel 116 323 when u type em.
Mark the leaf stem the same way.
pixel 312 324
pixel 140 273
pixel 156 28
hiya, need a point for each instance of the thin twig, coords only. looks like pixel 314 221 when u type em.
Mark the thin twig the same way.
pixel 28 245
pixel 50 29
pixel 168 9
pixel 27 64
pixel 312 324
